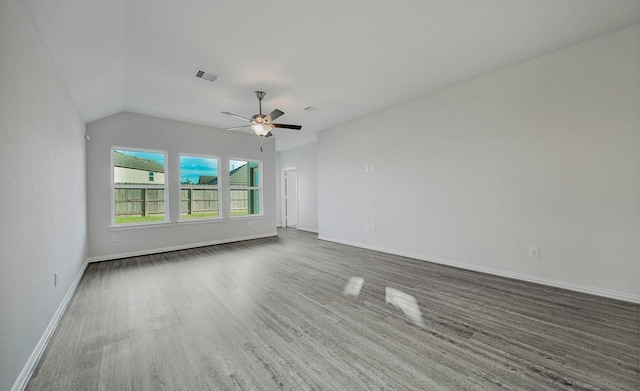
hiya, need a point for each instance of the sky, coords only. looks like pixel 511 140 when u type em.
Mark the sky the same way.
pixel 192 167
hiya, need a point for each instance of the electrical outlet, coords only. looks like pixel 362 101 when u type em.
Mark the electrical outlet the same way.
pixel 534 252
pixel 114 238
pixel 55 279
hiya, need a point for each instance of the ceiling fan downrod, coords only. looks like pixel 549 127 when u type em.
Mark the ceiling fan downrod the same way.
pixel 260 95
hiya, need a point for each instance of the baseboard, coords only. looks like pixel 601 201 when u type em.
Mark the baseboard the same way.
pixel 315 231
pixel 25 375
pixel 497 272
pixel 176 248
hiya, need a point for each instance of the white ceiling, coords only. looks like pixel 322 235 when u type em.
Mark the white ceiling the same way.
pixel 349 58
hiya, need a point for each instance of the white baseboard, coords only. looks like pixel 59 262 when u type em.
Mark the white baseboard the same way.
pixel 315 231
pixel 517 276
pixel 175 248
pixel 25 375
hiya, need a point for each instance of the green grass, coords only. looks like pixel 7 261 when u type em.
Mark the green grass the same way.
pixel 138 219
pixel 201 215
pixel 194 216
pixel 242 212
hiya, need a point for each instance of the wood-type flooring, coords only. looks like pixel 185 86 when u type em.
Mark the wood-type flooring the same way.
pixel 272 314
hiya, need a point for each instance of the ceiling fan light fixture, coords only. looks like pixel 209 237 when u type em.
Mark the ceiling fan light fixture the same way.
pixel 261 129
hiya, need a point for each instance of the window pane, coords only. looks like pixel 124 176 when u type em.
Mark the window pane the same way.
pixel 245 202
pixel 139 205
pixel 198 187
pixel 138 168
pixel 198 203
pixel 195 170
pixel 243 173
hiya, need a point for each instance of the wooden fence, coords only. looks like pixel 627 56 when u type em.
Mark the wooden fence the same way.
pixel 198 200
pixel 193 200
pixel 139 202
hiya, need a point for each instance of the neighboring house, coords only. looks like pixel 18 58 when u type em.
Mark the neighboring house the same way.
pixel 129 169
pixel 208 180
pixel 237 177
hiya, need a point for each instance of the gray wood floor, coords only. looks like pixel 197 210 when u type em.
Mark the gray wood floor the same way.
pixel 271 314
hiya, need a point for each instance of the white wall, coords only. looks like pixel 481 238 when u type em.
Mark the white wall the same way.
pixel 133 131
pixel 543 153
pixel 305 159
pixel 42 190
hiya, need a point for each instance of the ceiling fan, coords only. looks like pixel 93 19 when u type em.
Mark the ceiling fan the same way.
pixel 262 124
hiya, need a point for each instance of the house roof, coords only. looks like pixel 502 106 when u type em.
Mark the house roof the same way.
pixel 237 176
pixel 127 161
pixel 208 180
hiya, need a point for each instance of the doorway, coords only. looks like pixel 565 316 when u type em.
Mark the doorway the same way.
pixel 290 197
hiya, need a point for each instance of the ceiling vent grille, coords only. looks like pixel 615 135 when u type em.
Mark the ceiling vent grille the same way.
pixel 206 76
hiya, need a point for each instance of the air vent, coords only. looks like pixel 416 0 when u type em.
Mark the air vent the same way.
pixel 206 76
pixel 311 108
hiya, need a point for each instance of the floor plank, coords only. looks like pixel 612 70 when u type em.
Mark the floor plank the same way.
pixel 271 314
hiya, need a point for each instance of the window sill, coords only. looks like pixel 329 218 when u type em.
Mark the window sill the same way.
pixel 200 221
pixel 125 227
pixel 246 217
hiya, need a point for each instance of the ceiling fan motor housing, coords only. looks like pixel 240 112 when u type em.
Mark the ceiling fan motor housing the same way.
pixel 258 119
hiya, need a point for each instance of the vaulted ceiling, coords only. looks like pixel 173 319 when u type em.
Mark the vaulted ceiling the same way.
pixel 348 58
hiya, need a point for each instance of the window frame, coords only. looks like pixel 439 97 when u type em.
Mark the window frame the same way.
pixel 217 187
pixel 259 187
pixel 114 186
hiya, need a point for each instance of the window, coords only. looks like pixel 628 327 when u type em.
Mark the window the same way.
pixel 245 183
pixel 139 186
pixel 199 187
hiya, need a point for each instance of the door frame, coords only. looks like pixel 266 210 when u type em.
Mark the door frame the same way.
pixel 283 197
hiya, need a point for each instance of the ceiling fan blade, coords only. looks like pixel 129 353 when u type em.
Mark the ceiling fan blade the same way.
pixel 285 126
pixel 273 115
pixel 235 115
pixel 238 127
